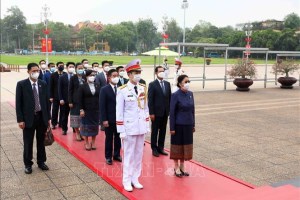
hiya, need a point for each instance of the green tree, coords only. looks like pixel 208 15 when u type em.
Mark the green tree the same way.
pixel 292 21
pixel 174 31
pixel 287 41
pixel 14 26
pixel 265 38
pixel 146 34
pixel 88 37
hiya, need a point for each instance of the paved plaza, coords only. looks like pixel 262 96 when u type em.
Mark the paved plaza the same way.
pixel 253 136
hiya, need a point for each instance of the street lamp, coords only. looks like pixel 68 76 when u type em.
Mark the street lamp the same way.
pixel 248 33
pixel 184 6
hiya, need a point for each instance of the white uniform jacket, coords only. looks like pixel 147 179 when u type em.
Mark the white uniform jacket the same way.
pixel 132 112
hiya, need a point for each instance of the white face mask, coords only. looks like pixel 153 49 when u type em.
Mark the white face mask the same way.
pixel 71 70
pixel 35 75
pixel 91 79
pixel 186 86
pixel 96 69
pixel 43 66
pixel 106 69
pixel 122 73
pixel 86 65
pixel 161 75
pixel 115 80
pixel 137 78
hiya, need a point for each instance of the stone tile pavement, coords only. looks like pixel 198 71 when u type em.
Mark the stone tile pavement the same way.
pixel 253 136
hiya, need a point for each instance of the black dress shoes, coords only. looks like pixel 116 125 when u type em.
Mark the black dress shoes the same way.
pixel 118 158
pixel 109 161
pixel 28 170
pixel 155 153
pixel 43 167
pixel 162 152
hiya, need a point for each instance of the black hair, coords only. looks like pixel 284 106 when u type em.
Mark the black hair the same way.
pixel 104 61
pixel 95 63
pixel 156 68
pixel 50 64
pixel 42 61
pixel 118 68
pixel 70 63
pixel 180 79
pixel 30 65
pixel 58 63
pixel 77 64
pixel 110 72
pixel 84 60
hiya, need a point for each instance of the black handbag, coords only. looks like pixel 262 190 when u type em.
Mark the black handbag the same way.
pixel 49 138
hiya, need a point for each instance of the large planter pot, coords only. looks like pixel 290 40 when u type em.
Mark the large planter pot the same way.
pixel 208 62
pixel 243 84
pixel 287 82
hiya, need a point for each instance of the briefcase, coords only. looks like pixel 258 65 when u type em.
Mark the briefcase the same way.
pixel 49 138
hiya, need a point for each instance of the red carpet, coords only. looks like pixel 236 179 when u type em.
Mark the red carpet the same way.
pixel 159 180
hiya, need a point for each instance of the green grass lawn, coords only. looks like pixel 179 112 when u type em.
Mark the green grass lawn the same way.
pixel 118 60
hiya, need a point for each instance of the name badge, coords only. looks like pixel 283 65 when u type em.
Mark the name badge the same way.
pixel 130 95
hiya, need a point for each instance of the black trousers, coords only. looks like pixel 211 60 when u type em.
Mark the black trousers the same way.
pixel 158 132
pixel 112 141
pixel 28 136
pixel 55 110
pixel 65 110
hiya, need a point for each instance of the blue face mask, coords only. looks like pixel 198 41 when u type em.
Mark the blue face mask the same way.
pixel 52 69
pixel 80 71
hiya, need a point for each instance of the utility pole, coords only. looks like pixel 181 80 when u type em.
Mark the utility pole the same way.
pixel 184 6
pixel 45 14
pixel 33 27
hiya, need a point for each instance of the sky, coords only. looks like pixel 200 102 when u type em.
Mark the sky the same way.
pixel 220 13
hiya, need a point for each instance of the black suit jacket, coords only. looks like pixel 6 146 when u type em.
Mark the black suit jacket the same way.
pixel 25 102
pixel 158 102
pixel 73 88
pixel 120 84
pixel 63 87
pixel 53 86
pixel 107 103
pixel 88 101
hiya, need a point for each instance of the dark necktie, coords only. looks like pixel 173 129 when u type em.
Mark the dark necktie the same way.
pixel 115 87
pixel 162 87
pixel 36 99
pixel 135 89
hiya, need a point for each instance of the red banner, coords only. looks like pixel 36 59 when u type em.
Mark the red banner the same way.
pixel 44 45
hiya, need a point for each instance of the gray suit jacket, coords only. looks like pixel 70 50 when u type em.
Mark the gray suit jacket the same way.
pixel 101 80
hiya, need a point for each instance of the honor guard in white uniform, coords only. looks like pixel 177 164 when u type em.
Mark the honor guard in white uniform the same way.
pixel 132 119
pixel 178 71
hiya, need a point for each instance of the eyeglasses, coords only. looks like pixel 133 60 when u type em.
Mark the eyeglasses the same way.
pixel 187 81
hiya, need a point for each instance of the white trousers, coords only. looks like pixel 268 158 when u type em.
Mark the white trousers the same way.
pixel 133 147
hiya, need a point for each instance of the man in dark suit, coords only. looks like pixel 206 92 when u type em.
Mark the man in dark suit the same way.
pixel 33 115
pixel 108 117
pixel 101 78
pixel 159 96
pixel 54 99
pixel 43 70
pixel 121 72
pixel 63 94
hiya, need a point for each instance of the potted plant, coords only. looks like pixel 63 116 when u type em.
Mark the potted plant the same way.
pixel 208 60
pixel 285 68
pixel 240 71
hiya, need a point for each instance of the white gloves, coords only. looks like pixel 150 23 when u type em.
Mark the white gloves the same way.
pixel 122 135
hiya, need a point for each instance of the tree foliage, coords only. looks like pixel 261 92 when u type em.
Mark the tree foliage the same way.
pixel 144 35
